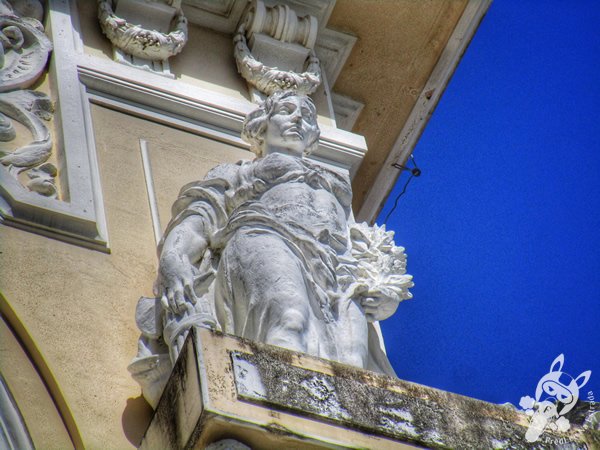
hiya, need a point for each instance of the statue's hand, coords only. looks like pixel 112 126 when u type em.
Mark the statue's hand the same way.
pixel 377 306
pixel 175 282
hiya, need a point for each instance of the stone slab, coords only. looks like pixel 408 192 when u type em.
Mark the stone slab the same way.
pixel 224 387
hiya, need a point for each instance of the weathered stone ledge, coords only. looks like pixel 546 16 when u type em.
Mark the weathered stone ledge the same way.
pixel 225 387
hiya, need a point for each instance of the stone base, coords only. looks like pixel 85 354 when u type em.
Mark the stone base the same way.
pixel 223 387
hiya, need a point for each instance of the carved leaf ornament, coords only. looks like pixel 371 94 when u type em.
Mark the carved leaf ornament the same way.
pixel 270 79
pixel 24 52
pixel 140 42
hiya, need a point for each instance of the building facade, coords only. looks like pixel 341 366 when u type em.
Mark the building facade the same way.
pixel 114 106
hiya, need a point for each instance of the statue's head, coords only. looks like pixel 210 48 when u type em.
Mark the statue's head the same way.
pixel 286 122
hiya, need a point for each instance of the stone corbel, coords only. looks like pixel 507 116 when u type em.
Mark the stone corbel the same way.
pixel 144 33
pixel 280 55
pixel 24 51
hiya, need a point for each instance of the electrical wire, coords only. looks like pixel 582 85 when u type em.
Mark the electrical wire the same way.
pixel 414 172
pixel 398 198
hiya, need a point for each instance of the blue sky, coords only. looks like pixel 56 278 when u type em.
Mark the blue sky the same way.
pixel 502 229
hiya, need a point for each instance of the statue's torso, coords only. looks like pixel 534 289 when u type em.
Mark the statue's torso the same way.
pixel 302 194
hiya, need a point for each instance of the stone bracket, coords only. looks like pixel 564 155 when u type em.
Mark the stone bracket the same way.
pixel 280 56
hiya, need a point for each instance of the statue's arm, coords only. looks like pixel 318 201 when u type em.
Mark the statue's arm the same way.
pixel 183 248
pixel 377 277
pixel 197 214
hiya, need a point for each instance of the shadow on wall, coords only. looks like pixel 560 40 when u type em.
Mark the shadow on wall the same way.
pixel 135 419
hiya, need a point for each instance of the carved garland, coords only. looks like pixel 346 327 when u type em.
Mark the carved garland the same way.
pixel 270 79
pixel 24 51
pixel 138 41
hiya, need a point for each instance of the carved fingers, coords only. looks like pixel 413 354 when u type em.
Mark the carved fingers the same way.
pixel 377 306
pixel 176 283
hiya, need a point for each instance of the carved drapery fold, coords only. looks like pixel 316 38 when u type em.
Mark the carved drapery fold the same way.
pixel 24 52
pixel 280 32
pixel 143 43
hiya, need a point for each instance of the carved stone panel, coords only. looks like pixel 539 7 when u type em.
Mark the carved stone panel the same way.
pixel 24 52
pixel 48 175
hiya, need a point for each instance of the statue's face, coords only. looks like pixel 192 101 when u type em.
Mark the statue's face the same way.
pixel 292 126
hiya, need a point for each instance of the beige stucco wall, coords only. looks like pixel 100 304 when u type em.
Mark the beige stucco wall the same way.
pixel 399 44
pixel 29 392
pixel 78 305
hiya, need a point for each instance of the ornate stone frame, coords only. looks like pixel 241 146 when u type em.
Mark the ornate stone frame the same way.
pixel 79 217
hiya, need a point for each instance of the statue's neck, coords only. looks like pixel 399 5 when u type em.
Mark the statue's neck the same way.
pixel 282 150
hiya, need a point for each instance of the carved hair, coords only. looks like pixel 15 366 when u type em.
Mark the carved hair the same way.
pixel 255 124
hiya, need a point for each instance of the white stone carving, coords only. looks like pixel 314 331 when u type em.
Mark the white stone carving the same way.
pixel 14 433
pixel 24 48
pixel 24 51
pixel 28 108
pixel 153 42
pixel 78 217
pixel 268 250
pixel 282 56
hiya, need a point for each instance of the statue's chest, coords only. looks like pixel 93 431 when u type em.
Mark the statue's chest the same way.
pixel 278 169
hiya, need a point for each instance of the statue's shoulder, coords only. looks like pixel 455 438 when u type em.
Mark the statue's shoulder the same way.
pixel 274 166
pixel 226 171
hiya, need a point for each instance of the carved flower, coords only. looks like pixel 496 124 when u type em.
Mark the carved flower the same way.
pixel 375 274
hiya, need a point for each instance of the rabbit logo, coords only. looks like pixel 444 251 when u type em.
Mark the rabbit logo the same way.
pixel 556 394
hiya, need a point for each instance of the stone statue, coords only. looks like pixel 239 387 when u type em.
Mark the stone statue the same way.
pixel 268 250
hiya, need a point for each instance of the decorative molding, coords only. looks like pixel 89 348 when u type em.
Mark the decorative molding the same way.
pixel 333 49
pixel 319 9
pixel 426 103
pixel 197 110
pixel 346 111
pixel 24 51
pixel 281 23
pixel 76 215
pixel 224 15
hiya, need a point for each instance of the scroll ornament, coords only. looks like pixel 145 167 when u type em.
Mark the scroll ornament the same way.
pixel 24 52
pixel 140 42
